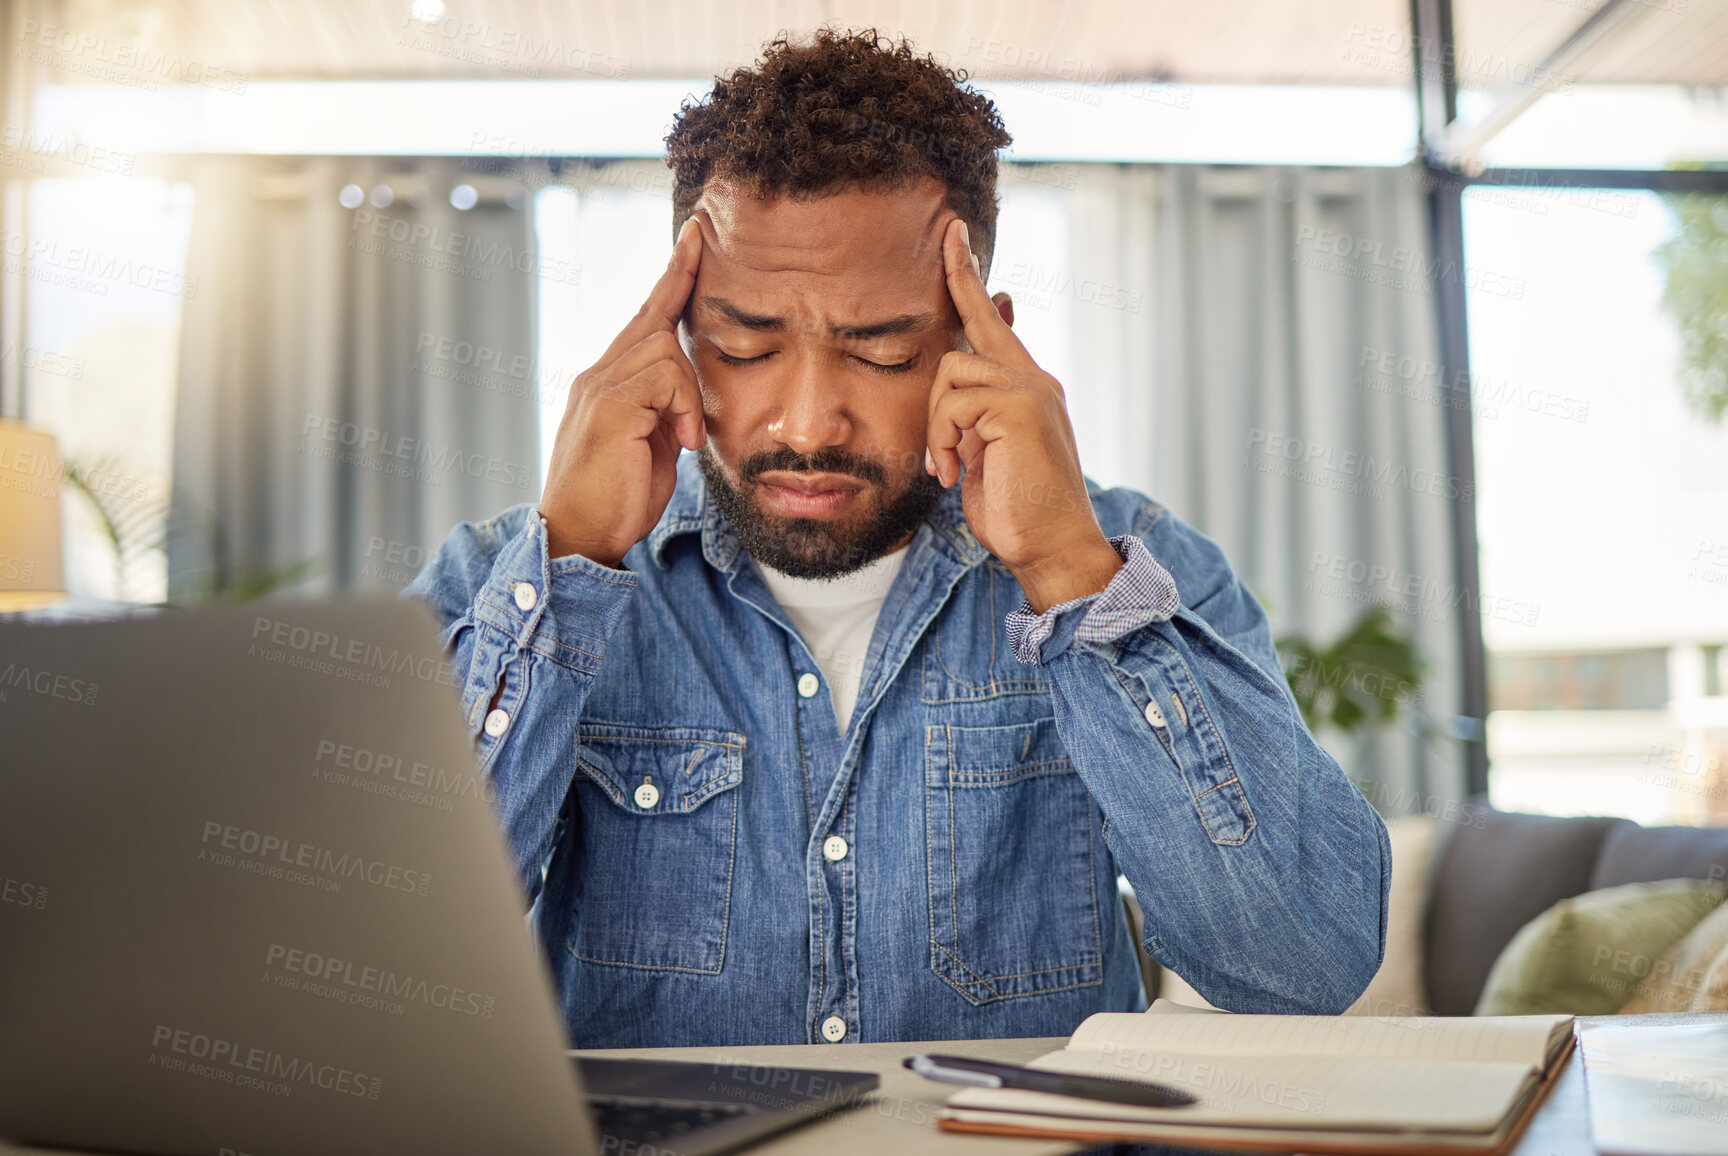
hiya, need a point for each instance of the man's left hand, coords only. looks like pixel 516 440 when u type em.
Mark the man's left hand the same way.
pixel 996 413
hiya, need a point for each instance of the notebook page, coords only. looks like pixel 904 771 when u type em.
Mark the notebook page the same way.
pixel 1503 1039
pixel 1287 1092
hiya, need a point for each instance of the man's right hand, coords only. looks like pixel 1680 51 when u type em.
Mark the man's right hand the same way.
pixel 614 461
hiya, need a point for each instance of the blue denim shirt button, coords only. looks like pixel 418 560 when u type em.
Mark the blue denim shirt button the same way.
pixel 808 685
pixel 834 848
pixel 833 1029
pixel 526 596
pixel 497 722
pixel 1154 715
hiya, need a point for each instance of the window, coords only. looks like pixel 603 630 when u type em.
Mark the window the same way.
pixel 1603 504
pixel 104 270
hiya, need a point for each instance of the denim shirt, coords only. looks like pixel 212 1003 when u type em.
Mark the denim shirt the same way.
pixel 711 861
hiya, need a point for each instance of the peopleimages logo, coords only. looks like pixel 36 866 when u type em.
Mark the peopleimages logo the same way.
pixel 277 857
pixel 1420 380
pixel 507 49
pixel 21 894
pixel 349 982
pixel 425 244
pixel 89 270
pixel 228 1062
pixel 47 683
pixel 396 777
pixel 1400 266
pixel 43 360
pixel 1218 1075
pixel 29 149
pixel 1349 470
pixel 354 659
pixel 369 447
pixel 1366 582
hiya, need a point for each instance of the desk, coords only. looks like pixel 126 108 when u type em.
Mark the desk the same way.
pixel 898 1118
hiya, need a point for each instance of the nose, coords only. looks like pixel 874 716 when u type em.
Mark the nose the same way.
pixel 813 413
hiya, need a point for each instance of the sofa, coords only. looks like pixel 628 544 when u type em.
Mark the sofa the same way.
pixel 1464 883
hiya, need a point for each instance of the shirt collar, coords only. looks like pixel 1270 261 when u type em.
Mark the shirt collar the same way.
pixel 693 510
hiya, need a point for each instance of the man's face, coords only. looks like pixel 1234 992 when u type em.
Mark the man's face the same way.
pixel 815 328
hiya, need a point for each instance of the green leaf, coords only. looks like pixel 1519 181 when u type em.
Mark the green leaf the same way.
pixel 1362 678
pixel 1694 260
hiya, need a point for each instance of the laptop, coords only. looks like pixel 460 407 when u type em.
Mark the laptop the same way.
pixel 255 898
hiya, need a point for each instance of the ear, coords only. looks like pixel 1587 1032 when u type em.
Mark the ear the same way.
pixel 1005 306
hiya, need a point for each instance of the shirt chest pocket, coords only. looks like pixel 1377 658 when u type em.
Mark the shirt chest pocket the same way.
pixel 658 823
pixel 1012 869
pixel 967 658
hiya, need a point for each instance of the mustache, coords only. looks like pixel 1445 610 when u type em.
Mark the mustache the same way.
pixel 829 460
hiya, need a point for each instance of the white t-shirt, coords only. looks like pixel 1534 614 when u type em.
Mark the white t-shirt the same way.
pixel 836 616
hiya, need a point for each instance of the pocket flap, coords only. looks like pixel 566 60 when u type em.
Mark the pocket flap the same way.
pixel 996 756
pixel 687 766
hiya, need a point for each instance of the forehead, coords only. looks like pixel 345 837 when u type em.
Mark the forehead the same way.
pixel 838 255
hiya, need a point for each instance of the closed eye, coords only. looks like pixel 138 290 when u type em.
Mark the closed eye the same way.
pixel 898 367
pixel 728 359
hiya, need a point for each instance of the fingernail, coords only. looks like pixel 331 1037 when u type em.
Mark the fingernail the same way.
pixel 976 268
pixel 929 462
pixel 965 236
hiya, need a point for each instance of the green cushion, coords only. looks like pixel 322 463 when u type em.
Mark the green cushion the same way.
pixel 1584 955
pixel 1692 976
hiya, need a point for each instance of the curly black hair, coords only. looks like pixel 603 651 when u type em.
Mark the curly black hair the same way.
pixel 845 110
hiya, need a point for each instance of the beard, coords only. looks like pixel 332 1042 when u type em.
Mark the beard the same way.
pixel 817 547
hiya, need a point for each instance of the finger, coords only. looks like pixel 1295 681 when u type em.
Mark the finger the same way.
pixel 607 379
pixel 963 371
pixel 962 412
pixel 971 451
pixel 669 388
pixel 665 303
pixel 986 332
pixel 653 374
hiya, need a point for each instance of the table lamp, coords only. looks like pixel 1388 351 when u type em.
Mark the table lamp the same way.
pixel 30 572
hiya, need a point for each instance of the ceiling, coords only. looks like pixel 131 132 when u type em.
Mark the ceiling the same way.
pixel 1321 42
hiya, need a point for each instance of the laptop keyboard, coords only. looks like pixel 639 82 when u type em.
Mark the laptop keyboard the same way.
pixel 648 1121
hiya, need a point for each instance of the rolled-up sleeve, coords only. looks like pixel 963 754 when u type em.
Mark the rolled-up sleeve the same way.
pixel 1139 593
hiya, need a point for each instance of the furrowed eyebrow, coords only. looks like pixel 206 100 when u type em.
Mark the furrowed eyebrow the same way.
pixel 739 317
pixel 892 327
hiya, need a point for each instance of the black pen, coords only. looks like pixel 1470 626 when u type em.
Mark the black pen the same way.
pixel 987 1074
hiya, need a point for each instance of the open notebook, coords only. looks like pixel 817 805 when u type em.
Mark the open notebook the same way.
pixel 1318 1083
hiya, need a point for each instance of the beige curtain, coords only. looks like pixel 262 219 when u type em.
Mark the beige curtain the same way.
pixel 354 378
pixel 1257 352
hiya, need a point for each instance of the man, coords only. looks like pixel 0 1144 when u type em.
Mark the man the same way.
pixel 842 726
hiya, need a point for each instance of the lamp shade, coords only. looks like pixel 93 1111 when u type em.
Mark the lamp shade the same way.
pixel 30 573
